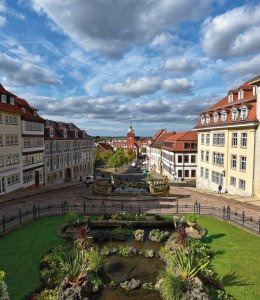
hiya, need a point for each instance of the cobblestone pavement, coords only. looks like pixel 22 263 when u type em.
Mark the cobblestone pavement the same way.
pixel 77 195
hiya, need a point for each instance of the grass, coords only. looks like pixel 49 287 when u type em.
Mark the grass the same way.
pixel 21 252
pixel 237 259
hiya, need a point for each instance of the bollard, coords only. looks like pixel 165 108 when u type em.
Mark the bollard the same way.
pixel 3 223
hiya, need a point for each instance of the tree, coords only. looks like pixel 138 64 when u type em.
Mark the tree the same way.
pixel 105 156
pixel 97 156
pixel 130 155
pixel 143 150
pixel 118 159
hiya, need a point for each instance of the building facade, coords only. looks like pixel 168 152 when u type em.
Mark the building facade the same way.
pixel 179 156
pixel 127 143
pixel 69 153
pixel 227 146
pixel 11 175
pixel 32 145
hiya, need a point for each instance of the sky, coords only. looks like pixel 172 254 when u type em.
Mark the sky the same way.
pixel 108 64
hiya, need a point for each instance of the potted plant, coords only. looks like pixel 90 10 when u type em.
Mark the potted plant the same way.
pixel 192 220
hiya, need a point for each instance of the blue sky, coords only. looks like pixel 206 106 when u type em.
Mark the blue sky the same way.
pixel 109 64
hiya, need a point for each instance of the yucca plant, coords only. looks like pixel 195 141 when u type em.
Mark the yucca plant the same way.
pixel 187 266
pixel 74 265
pixel 182 238
pixel 82 238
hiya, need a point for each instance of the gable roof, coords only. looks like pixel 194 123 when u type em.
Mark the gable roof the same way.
pixel 177 141
pixel 159 141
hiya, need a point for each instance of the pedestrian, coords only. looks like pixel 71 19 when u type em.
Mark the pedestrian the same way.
pixel 219 189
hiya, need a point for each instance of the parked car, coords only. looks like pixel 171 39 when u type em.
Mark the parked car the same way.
pixel 134 164
pixel 89 179
pixel 145 171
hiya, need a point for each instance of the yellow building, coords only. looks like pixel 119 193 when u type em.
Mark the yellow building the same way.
pixel 11 175
pixel 227 144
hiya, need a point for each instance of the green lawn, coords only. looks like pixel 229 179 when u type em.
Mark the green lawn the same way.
pixel 237 260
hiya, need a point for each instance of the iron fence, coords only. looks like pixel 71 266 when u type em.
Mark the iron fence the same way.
pixel 11 221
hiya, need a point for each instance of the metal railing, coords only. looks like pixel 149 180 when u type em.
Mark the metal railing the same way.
pixel 11 221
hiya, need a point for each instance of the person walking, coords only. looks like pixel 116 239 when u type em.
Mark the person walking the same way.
pixel 219 189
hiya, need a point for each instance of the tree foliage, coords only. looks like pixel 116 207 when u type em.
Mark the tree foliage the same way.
pixel 105 156
pixel 130 155
pixel 118 159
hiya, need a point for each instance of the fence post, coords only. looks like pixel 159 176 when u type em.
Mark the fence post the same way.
pixel 84 208
pixel 177 208
pixel 3 223
pixel 228 212
pixel 34 211
pixel 20 216
pixel 62 208
pixel 224 212
pixel 122 205
pixel 199 208
pixel 243 217
pixel 195 207
pixel 139 210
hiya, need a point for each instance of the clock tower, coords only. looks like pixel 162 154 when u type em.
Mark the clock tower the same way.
pixel 130 139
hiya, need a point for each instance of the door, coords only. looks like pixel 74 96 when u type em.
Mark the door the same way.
pixel 2 185
pixel 37 179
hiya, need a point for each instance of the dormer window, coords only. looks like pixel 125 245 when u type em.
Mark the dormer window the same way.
pixel 230 97
pixel 3 98
pixel 244 112
pixel 254 90
pixel 202 120
pixel 215 117
pixel 35 113
pixel 23 110
pixel 223 116
pixel 240 94
pixel 65 133
pixel 76 133
pixel 51 132
pixel 234 114
pixel 47 122
pixel 207 119
pixel 12 100
pixel 60 125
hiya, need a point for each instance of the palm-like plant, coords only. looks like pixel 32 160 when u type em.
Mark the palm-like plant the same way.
pixel 74 265
pixel 187 266
pixel 82 238
pixel 182 237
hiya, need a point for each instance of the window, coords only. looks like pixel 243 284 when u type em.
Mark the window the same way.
pixel 193 159
pixel 202 139
pixel 244 113
pixel 65 133
pixel 219 139
pixel 202 120
pixel 202 155
pixel 12 100
pixel 76 134
pixel 47 146
pixel 51 132
pixel 1 118
pixel 215 118
pixel 234 115
pixel 254 90
pixel 33 142
pixel 242 184
pixel 33 158
pixel 65 145
pixel 3 98
pixel 1 161
pixel 13 179
pixel 186 158
pixel 207 119
pixel 224 117
pixel 201 172
pixel 12 159
pixel 180 173
pixel 193 173
pixel 60 145
pixel 1 140
pixel 33 126
pixel 233 181
pixel 207 156
pixel 179 158
pixel 217 178
pixel 187 173
pixel 11 120
pixel 242 163
pixel 230 97
pixel 206 173
pixel 54 162
pixel 233 161
pixel 11 139
pixel 234 139
pixel 243 140
pixel 54 146
pixel 240 94
pixel 218 159
pixel 207 139
pixel 28 176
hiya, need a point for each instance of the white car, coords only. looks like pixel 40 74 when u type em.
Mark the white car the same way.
pixel 133 164
pixel 89 179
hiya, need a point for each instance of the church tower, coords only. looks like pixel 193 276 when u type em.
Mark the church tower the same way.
pixel 130 139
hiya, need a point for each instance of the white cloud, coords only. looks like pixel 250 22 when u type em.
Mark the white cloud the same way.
pixel 20 72
pixel 178 85
pixel 134 87
pixel 180 65
pixel 236 32
pixel 112 26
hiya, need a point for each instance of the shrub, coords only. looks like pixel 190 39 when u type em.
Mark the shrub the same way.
pixel 170 287
pixel 192 218
pixel 3 287
pixel 95 260
pixel 72 217
pixel 48 294
pixel 95 280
